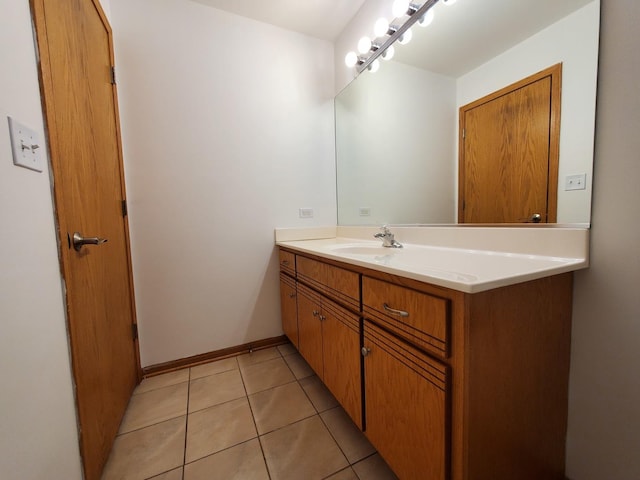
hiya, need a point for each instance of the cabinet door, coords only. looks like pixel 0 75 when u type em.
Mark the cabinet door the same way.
pixel 406 414
pixel 289 308
pixel 310 328
pixel 341 346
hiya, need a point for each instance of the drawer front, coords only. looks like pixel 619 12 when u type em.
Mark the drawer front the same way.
pixel 336 283
pixel 406 406
pixel 421 319
pixel 287 262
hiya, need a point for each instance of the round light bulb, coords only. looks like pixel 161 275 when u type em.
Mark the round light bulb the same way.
pixel 400 8
pixel 374 66
pixel 448 2
pixel 405 37
pixel 364 45
pixel 426 19
pixel 381 27
pixel 351 59
pixel 388 53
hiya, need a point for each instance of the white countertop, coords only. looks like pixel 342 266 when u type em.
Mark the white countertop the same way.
pixel 460 268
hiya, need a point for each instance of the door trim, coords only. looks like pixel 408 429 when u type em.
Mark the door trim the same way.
pixel 555 74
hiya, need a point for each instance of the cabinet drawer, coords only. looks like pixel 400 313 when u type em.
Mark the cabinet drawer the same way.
pixel 406 406
pixel 335 282
pixel 287 262
pixel 419 318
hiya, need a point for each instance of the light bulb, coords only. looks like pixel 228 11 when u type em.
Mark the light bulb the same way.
pixel 374 66
pixel 364 45
pixel 400 8
pixel 405 37
pixel 351 59
pixel 388 53
pixel 381 28
pixel 426 19
pixel 448 2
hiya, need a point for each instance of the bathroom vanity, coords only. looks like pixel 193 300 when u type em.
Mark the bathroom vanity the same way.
pixel 458 373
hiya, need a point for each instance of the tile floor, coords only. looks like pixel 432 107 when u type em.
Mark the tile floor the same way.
pixel 263 415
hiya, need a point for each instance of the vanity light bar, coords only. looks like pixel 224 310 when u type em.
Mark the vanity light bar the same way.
pixel 364 63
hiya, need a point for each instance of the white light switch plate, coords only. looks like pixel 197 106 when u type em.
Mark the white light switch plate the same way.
pixel 26 146
pixel 575 182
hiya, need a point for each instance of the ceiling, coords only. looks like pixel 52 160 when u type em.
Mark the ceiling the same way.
pixel 323 19
pixel 467 34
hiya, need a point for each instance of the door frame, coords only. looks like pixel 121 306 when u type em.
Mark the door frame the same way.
pixel 57 185
pixel 555 74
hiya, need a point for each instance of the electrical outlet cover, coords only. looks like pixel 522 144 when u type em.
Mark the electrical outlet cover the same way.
pixel 25 145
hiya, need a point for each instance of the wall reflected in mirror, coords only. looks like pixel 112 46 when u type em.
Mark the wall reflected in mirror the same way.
pixel 397 129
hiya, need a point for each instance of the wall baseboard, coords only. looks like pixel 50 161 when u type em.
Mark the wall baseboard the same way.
pixel 174 365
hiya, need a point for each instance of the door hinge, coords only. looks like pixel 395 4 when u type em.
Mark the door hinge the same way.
pixel 134 330
pixel 124 208
pixel 113 75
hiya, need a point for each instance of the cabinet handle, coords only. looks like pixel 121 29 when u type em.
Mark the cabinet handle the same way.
pixel 400 313
pixel 323 318
pixel 292 295
pixel 285 263
pixel 316 313
pixel 365 351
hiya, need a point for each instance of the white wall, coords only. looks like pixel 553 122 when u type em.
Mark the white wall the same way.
pixel 574 42
pixel 377 168
pixel 604 402
pixel 38 436
pixel 227 127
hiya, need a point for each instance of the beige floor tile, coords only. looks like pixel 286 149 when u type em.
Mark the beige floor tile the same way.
pixel 265 375
pixel 350 439
pixel 287 349
pixel 258 356
pixel 155 406
pixel 172 475
pixel 299 366
pixel 319 395
pixel 304 450
pixel 147 452
pixel 215 389
pixel 374 468
pixel 219 427
pixel 280 406
pixel 161 381
pixel 212 368
pixel 346 474
pixel 242 462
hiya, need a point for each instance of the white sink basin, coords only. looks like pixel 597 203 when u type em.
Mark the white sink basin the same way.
pixel 362 249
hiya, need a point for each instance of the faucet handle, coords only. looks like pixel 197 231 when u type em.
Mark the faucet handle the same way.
pixel 385 229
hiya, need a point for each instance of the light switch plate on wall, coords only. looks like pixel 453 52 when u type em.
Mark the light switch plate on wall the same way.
pixel 576 182
pixel 25 145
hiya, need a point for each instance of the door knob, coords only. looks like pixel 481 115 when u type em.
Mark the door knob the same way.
pixel 79 241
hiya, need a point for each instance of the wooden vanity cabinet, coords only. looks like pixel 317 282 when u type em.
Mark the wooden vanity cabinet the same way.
pixel 289 307
pixel 457 386
pixel 407 414
pixel 329 329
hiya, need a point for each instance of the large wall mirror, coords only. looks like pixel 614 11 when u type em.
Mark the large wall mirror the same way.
pixel 397 129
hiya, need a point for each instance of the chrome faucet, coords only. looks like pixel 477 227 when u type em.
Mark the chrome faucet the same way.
pixel 387 238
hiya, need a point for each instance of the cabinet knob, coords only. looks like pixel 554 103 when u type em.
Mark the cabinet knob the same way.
pixel 292 295
pixel 316 313
pixel 365 351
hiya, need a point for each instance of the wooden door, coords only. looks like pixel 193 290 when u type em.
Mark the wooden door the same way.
pixel 341 349
pixel 288 304
pixel 310 328
pixel 76 58
pixel 406 413
pixel 509 144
